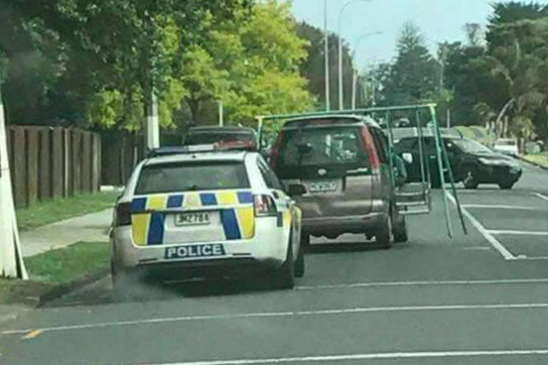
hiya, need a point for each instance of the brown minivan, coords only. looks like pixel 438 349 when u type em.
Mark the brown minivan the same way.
pixel 343 163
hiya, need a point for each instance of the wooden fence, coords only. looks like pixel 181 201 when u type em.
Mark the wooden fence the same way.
pixel 51 162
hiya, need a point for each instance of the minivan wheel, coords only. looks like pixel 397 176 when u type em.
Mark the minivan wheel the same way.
pixel 400 231
pixel 383 236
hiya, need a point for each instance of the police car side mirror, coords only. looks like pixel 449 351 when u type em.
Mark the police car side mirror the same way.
pixel 296 190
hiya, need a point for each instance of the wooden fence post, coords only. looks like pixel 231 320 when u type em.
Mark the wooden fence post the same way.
pixel 19 166
pixel 32 145
pixel 57 162
pixel 44 164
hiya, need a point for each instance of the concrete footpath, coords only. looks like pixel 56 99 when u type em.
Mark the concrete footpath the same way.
pixel 89 228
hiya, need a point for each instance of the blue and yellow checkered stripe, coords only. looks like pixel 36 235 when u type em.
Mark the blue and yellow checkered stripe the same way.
pixel 149 213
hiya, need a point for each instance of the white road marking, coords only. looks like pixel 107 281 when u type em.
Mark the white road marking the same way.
pixel 544 197
pixel 423 283
pixel 485 233
pixel 310 313
pixel 487 206
pixel 371 356
pixel 477 248
pixel 517 233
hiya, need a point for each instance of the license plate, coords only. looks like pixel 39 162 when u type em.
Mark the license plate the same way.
pixel 192 219
pixel 195 251
pixel 322 187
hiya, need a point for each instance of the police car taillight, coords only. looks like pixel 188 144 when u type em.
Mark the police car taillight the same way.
pixel 264 205
pixel 123 214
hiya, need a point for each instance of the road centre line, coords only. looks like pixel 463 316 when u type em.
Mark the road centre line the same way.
pixel 358 310
pixel 517 233
pixel 484 232
pixel 544 197
pixel 371 356
pixel 423 283
pixel 486 206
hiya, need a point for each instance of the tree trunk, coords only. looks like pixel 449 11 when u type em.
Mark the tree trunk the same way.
pixel 195 106
pixel 504 110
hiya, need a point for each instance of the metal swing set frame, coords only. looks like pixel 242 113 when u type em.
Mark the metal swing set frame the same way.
pixel 409 203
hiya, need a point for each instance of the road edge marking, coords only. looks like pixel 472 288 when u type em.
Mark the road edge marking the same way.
pixel 543 197
pixel 485 233
pixel 310 313
pixel 366 356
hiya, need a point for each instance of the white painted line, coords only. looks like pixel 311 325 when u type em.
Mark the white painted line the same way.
pixel 423 283
pixel 544 197
pixel 517 233
pixel 478 248
pixel 489 237
pixel 310 313
pixel 371 356
pixel 486 206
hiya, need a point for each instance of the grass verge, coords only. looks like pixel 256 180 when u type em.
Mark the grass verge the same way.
pixel 44 213
pixel 541 160
pixel 52 269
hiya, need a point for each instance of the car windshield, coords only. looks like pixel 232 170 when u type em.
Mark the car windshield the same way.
pixel 179 177
pixel 505 142
pixel 470 146
pixel 198 138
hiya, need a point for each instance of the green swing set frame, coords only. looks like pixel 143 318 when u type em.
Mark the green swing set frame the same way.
pixel 408 199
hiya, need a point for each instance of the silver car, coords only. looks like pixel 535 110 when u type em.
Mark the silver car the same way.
pixel 343 164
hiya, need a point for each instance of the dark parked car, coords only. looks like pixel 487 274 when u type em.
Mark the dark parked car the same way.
pixel 343 164
pixel 237 137
pixel 472 163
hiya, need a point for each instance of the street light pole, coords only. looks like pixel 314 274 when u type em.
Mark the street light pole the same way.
pixel 11 257
pixel 341 82
pixel 326 31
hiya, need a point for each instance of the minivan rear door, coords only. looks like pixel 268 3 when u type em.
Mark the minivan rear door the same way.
pixel 331 162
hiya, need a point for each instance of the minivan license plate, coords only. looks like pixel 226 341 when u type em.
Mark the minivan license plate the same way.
pixel 324 186
pixel 195 251
pixel 192 219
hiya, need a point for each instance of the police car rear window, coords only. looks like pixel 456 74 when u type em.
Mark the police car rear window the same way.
pixel 195 176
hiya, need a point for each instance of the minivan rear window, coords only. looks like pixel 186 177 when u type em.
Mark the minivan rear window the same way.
pixel 322 147
pixel 178 177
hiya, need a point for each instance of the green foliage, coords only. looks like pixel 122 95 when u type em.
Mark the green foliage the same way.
pixel 251 64
pixel 413 78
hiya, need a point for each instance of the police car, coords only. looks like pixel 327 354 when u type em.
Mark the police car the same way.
pixel 196 211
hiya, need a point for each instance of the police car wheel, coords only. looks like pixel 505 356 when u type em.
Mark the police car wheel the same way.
pixel 124 284
pixel 284 277
pixel 299 264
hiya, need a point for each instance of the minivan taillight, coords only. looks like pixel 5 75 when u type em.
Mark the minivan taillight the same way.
pixel 123 214
pixel 264 205
pixel 371 150
pixel 275 151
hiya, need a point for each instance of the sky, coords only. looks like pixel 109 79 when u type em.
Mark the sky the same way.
pixel 439 21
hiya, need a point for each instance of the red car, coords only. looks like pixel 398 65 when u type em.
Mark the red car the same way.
pixel 230 137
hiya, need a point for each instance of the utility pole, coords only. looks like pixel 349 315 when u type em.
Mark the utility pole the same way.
pixel 153 123
pixel 354 89
pixel 326 31
pixel 11 257
pixel 221 114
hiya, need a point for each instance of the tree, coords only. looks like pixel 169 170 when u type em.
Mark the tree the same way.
pixel 414 76
pixel 251 64
pixel 313 68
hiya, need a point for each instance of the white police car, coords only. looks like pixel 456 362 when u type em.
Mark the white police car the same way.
pixel 191 213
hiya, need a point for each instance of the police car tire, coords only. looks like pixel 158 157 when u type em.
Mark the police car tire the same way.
pixel 284 278
pixel 299 264
pixel 124 284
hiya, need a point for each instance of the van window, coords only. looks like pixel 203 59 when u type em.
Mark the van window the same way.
pixel 322 147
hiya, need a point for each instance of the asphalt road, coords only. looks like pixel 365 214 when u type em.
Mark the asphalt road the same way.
pixel 475 299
